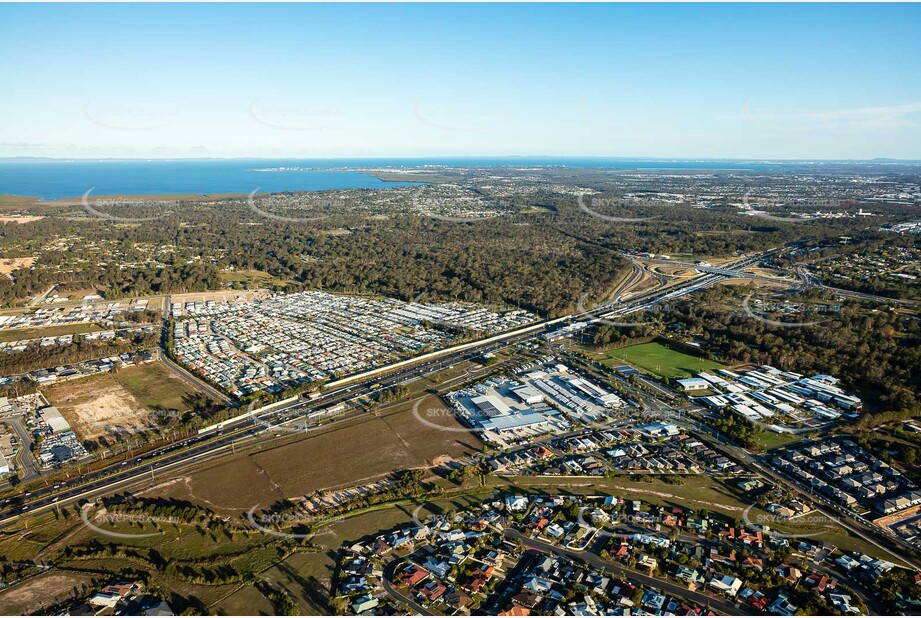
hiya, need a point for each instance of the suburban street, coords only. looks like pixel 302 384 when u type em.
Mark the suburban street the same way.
pixel 704 599
pixel 277 422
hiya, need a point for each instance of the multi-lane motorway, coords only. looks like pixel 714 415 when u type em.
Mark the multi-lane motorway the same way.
pixel 260 427
pixel 254 427
pixel 249 428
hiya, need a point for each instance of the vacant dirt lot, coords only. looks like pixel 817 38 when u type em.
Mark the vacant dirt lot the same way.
pixel 41 591
pixel 361 452
pixel 121 403
pixel 229 488
pixel 99 406
pixel 220 297
pixel 19 219
pixel 155 386
pixel 8 265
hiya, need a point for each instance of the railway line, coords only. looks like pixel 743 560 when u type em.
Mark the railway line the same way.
pixel 262 425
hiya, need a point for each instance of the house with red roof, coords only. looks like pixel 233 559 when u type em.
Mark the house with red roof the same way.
pixel 819 582
pixel 475 583
pixel 433 590
pixel 753 563
pixel 413 574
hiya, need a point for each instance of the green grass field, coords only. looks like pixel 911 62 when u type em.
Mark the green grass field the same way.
pixel 770 439
pixel 660 361
pixel 20 334
pixel 154 385
pixel 252 279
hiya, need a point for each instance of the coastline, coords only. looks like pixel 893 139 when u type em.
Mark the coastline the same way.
pixel 12 201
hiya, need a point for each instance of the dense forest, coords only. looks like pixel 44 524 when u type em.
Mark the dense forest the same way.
pixel 37 356
pixel 543 254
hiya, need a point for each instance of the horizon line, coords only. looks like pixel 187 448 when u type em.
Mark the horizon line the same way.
pixel 688 159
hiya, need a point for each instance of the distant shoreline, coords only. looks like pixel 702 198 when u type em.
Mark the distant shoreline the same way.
pixel 62 182
pixel 436 158
pixel 10 199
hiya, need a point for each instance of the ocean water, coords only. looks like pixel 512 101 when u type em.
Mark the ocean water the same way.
pixel 54 179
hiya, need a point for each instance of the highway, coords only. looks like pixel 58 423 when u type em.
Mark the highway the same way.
pixel 247 431
pixel 262 427
pixel 648 300
pixel 810 281
pixel 732 270
pixel 870 297
pixel 268 425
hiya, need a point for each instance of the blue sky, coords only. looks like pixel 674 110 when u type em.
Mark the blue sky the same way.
pixel 675 80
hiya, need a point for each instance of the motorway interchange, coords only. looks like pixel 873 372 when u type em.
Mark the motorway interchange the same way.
pixel 252 428
pixel 257 428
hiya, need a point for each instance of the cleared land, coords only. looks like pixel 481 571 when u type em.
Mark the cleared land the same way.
pixel 8 265
pixel 155 386
pixel 252 279
pixel 76 296
pixel 20 219
pixel 687 257
pixel 349 454
pixel 246 601
pixel 761 283
pixel 227 296
pixel 112 404
pixel 680 272
pixel 362 452
pixel 35 594
pixel 20 334
pixel 658 360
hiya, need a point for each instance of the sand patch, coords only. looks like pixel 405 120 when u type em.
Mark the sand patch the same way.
pixel 100 408
pixel 42 591
pixel 20 219
pixel 8 265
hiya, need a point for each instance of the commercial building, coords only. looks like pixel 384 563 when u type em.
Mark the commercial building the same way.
pixel 490 406
pixel 528 394
pixel 524 419
pixel 693 384
pixel 54 419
